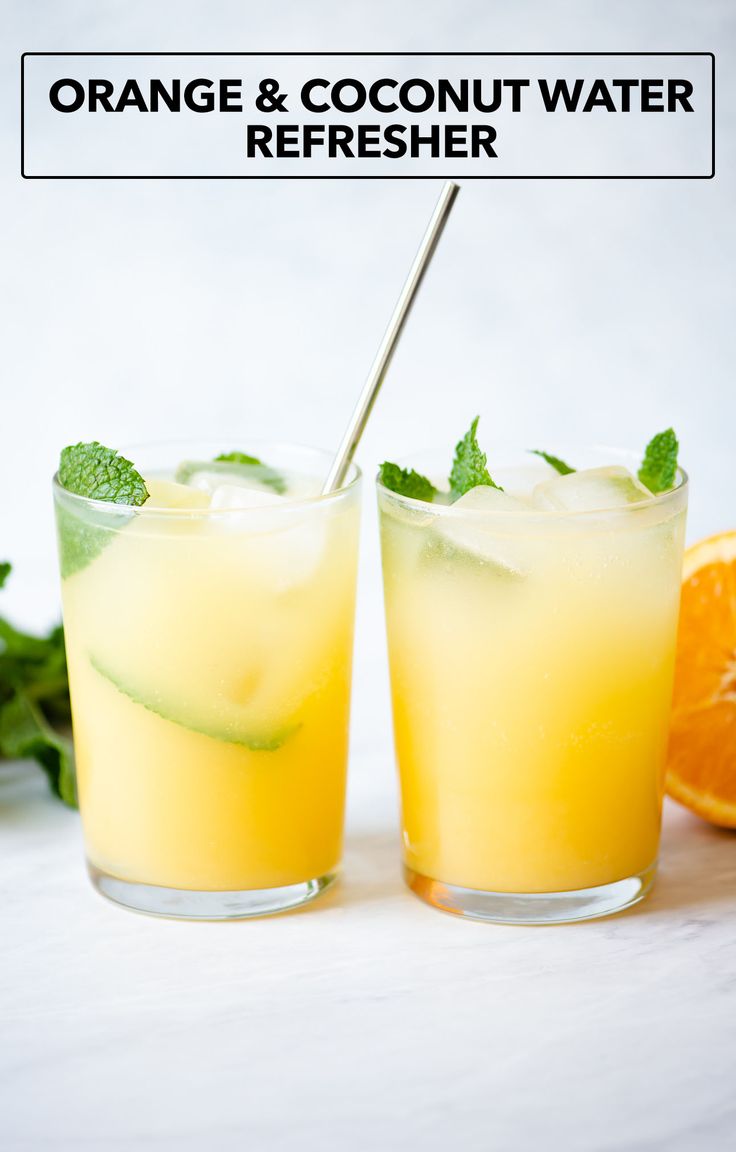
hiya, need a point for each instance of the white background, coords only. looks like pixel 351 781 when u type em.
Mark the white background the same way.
pixel 140 311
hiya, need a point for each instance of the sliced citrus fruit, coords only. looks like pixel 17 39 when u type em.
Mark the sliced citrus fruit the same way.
pixel 701 767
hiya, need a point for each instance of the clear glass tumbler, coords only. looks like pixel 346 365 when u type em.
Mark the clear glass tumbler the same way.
pixel 210 663
pixel 532 656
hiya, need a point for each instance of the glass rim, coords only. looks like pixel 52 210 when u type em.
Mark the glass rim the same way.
pixel 660 500
pixel 355 475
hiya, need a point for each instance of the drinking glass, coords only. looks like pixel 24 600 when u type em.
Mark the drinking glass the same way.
pixel 531 656
pixel 209 658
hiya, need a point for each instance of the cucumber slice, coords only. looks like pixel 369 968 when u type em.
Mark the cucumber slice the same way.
pixel 227 734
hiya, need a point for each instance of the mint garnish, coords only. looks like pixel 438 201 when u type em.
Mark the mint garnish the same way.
pixel 234 464
pixel 5 569
pixel 468 471
pixel 34 699
pixel 406 482
pixel 469 466
pixel 238 458
pixel 659 466
pixel 99 473
pixel 555 462
pixel 263 472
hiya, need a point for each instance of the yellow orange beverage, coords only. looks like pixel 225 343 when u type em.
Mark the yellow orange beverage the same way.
pixel 531 640
pixel 209 640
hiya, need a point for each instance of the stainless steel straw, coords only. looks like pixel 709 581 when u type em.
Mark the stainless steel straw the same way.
pixel 387 347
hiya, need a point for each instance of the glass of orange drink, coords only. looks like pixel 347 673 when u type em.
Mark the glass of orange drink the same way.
pixel 209 636
pixel 531 642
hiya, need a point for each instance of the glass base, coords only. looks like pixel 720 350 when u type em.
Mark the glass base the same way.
pixel 532 907
pixel 180 904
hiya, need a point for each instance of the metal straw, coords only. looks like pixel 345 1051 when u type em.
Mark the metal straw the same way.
pixel 380 365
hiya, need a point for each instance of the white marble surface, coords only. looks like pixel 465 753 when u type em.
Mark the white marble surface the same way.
pixel 367 1021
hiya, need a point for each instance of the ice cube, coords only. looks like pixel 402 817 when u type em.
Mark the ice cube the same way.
pixel 230 496
pixel 302 487
pixel 208 476
pixel 209 480
pixel 244 510
pixel 294 555
pixel 284 548
pixel 520 480
pixel 591 490
pixel 167 494
pixel 466 529
pixel 487 499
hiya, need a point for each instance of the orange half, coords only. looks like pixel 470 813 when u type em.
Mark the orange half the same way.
pixel 701 766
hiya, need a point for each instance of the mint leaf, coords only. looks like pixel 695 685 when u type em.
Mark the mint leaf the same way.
pixel 5 570
pixel 233 464
pixel 406 482
pixel 79 542
pixel 15 645
pixel 659 466
pixel 265 474
pixel 469 466
pixel 26 734
pixel 34 695
pixel 558 465
pixel 99 473
pixel 238 458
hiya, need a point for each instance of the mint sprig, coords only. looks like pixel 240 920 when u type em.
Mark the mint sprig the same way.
pixel 406 482
pixel 468 471
pixel 659 466
pixel 99 473
pixel 554 461
pixel 34 703
pixel 469 466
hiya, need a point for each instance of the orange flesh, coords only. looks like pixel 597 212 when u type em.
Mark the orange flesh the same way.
pixel 702 749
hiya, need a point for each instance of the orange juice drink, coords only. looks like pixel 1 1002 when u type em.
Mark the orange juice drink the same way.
pixel 531 639
pixel 209 638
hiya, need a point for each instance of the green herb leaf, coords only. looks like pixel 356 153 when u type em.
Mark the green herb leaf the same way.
pixel 659 466
pixel 22 646
pixel 264 473
pixel 26 734
pixel 469 466
pixel 99 473
pixel 555 462
pixel 233 464
pixel 406 482
pixel 5 570
pixel 34 695
pixel 238 458
pixel 79 542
